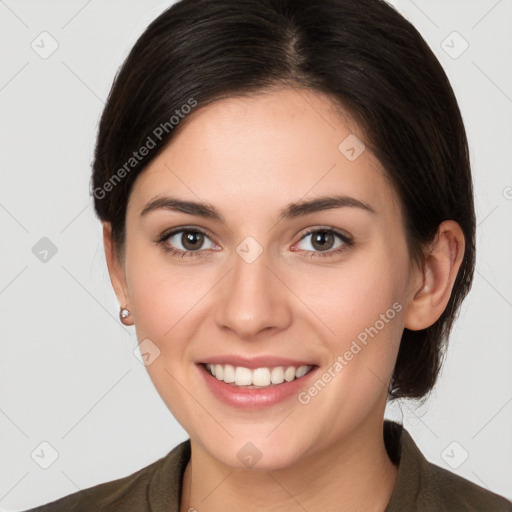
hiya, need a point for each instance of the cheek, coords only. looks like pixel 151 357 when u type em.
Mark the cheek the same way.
pixel 163 296
pixel 166 300
pixel 360 306
pixel 352 297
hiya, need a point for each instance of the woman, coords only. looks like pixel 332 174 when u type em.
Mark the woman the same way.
pixel 288 218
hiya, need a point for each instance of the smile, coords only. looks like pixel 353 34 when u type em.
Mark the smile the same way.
pixel 257 382
pixel 256 378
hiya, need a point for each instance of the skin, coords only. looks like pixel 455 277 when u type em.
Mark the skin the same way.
pixel 250 157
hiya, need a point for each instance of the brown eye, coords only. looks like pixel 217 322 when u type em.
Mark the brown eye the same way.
pixel 324 242
pixel 186 242
pixel 192 240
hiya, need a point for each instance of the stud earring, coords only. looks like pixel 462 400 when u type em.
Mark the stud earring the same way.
pixel 124 313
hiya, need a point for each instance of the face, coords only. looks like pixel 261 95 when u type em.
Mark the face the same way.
pixel 298 258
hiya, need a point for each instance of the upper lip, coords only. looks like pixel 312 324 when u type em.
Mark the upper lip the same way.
pixel 256 361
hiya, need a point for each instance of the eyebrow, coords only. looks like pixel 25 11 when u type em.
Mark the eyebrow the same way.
pixel 291 211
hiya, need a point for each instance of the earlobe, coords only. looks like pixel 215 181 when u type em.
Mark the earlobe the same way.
pixel 116 272
pixel 440 267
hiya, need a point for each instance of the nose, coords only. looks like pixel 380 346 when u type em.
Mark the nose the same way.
pixel 253 298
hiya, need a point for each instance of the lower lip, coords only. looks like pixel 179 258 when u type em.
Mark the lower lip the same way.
pixel 245 398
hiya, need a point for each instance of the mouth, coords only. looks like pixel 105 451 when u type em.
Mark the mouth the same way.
pixel 256 378
pixel 259 386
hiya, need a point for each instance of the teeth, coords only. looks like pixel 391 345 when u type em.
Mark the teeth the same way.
pixel 229 373
pixel 277 375
pixel 289 374
pixel 259 377
pixel 301 371
pixel 243 376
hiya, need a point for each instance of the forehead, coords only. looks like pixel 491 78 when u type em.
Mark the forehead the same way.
pixel 252 154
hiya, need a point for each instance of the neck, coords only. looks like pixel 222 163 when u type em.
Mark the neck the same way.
pixel 355 473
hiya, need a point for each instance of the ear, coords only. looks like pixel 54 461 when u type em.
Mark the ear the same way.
pixel 434 282
pixel 116 270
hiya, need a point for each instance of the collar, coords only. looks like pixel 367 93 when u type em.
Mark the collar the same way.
pixel 413 481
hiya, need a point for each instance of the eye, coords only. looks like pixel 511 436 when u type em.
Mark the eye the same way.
pixel 186 242
pixel 325 240
pixel 191 242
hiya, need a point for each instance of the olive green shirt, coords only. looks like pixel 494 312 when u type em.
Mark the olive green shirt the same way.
pixel 420 486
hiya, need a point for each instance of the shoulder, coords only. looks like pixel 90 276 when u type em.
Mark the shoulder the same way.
pixel 458 493
pixel 133 492
pixel 106 496
pixel 424 486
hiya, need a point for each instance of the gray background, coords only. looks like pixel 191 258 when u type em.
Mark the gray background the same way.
pixel 68 373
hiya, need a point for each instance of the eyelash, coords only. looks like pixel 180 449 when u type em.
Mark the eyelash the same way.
pixel 347 243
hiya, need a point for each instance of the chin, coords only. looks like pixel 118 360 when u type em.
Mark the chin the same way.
pixel 256 453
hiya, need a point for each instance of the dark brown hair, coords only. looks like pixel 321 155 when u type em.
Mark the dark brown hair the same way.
pixel 364 55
